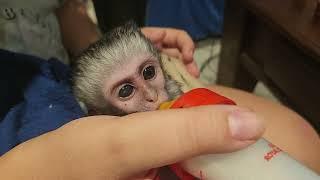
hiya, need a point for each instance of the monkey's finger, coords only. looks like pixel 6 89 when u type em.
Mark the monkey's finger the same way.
pixel 154 139
pixel 172 52
pixel 190 66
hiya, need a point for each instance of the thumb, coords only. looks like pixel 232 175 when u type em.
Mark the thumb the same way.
pixel 101 147
pixel 155 139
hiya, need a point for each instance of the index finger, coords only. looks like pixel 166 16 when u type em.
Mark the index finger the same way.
pixel 155 35
pixel 180 39
pixel 172 38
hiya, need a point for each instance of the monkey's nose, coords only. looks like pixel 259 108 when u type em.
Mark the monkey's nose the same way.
pixel 151 96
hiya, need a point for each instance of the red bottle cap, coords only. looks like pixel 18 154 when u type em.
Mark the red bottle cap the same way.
pixel 200 96
pixel 196 97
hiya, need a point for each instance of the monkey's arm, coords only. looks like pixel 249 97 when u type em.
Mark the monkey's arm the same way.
pixel 78 31
pixel 177 70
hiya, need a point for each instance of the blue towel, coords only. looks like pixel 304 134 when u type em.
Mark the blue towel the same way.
pixel 35 98
pixel 200 18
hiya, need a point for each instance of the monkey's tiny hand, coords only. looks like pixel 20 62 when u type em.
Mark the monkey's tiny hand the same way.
pixel 174 42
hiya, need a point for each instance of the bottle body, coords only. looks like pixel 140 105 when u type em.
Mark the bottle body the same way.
pixel 262 160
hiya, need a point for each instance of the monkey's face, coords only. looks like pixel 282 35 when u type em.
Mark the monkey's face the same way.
pixel 138 85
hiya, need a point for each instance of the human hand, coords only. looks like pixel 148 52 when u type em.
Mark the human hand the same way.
pixel 78 31
pixel 105 147
pixel 174 42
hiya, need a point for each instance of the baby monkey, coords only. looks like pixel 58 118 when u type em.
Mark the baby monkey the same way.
pixel 121 74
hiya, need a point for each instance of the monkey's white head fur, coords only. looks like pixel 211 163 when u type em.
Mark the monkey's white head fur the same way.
pixel 99 60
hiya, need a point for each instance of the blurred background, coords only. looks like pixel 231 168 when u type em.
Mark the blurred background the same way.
pixel 203 20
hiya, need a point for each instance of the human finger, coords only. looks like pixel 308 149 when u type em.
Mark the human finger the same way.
pixel 180 39
pixel 172 38
pixel 104 147
pixel 176 43
pixel 154 139
pixel 191 67
pixel 155 35
pixel 172 52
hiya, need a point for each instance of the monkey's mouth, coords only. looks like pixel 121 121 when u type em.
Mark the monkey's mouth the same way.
pixel 151 108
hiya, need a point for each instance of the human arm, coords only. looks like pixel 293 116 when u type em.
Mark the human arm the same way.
pixel 115 152
pixel 78 32
pixel 104 147
pixel 77 29
pixel 285 128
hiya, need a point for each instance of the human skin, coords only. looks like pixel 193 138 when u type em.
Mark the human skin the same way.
pixel 105 147
pixel 284 128
pixel 100 147
pixel 78 32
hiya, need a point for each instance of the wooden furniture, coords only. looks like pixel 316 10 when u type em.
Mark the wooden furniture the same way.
pixel 278 43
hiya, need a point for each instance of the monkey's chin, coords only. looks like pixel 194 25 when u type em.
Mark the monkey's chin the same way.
pixel 152 107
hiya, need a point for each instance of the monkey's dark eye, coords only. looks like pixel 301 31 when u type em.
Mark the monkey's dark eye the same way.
pixel 149 72
pixel 126 91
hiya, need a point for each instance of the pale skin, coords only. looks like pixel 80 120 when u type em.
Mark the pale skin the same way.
pixel 93 148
